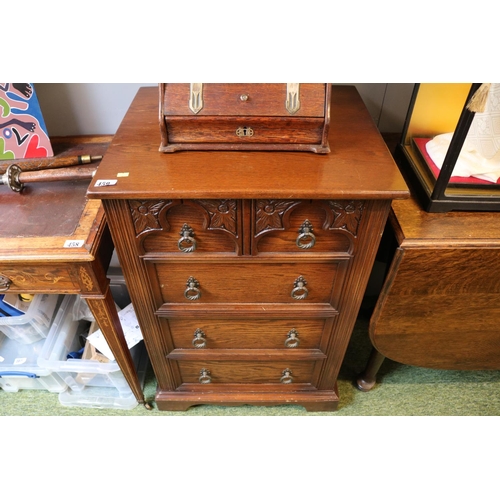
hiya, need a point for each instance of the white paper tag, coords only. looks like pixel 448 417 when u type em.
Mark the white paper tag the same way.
pixel 131 331
pixel 101 183
pixel 19 361
pixel 73 243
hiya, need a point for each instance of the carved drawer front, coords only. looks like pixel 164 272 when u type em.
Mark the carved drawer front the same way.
pixel 38 278
pixel 187 227
pixel 305 226
pixel 283 372
pixel 220 333
pixel 243 281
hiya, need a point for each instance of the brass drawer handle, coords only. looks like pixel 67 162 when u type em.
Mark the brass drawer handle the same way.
pixel 199 340
pixel 192 292
pixel 4 283
pixel 299 291
pixel 205 377
pixel 292 339
pixel 286 376
pixel 186 243
pixel 306 238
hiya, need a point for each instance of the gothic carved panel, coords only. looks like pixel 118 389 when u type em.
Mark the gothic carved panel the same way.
pixel 222 214
pixel 269 214
pixel 145 214
pixel 347 215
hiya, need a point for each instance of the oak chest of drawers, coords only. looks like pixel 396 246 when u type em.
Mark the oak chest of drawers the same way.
pixel 247 269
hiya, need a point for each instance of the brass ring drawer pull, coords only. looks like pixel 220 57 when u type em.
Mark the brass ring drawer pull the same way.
pixel 286 376
pixel 4 283
pixel 292 339
pixel 192 292
pixel 186 243
pixel 205 377
pixel 199 340
pixel 299 291
pixel 306 238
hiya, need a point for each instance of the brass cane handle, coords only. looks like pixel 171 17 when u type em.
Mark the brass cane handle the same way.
pixel 306 238
pixel 199 340
pixel 186 243
pixel 299 291
pixel 205 377
pixel 286 376
pixel 4 283
pixel 292 339
pixel 192 291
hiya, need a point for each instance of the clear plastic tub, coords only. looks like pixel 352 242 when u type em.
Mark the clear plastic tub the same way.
pixel 19 368
pixel 81 374
pixel 34 325
pixel 108 397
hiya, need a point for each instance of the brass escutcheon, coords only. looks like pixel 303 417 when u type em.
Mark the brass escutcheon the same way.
pixel 244 132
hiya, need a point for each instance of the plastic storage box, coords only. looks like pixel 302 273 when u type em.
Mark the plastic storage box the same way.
pixel 35 323
pixel 89 382
pixel 19 368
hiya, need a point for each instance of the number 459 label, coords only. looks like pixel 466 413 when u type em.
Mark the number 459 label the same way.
pixel 104 182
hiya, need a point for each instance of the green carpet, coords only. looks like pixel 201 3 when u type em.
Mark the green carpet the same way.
pixel 400 391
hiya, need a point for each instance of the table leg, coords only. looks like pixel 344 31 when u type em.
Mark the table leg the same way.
pixel 106 315
pixel 367 379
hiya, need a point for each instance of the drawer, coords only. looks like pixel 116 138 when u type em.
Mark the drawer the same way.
pixel 246 280
pixel 248 372
pixel 305 226
pixel 259 99
pixel 250 130
pixel 187 226
pixel 223 333
pixel 37 279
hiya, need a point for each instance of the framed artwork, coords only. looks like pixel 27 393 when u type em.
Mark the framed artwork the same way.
pixel 23 133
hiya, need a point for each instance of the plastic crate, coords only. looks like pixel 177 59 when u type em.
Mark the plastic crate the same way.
pixel 34 325
pixel 19 368
pixel 82 374
pixel 108 397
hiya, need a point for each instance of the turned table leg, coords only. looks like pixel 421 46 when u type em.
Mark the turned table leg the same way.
pixel 366 380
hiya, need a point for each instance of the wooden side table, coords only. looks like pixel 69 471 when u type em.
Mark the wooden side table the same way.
pixel 53 239
pixel 439 306
pixel 247 269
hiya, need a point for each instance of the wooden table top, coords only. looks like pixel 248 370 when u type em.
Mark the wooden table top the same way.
pixel 36 223
pixel 358 166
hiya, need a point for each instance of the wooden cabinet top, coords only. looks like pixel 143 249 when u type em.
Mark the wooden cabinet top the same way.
pixel 416 227
pixel 358 166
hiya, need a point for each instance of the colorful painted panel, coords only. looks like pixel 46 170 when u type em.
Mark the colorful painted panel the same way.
pixel 22 130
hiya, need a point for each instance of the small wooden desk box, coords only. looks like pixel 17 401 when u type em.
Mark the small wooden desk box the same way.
pixel 245 116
